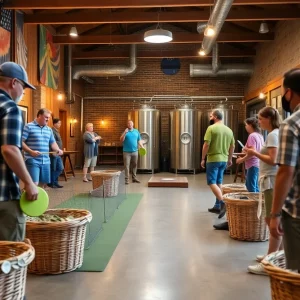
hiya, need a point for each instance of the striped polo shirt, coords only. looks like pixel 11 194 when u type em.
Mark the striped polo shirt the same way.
pixel 38 138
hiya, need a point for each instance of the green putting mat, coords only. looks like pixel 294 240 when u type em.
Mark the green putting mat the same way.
pixel 98 255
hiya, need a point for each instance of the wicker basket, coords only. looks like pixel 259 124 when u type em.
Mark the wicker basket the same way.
pixel 105 183
pixel 16 256
pixel 285 284
pixel 233 188
pixel 242 217
pixel 59 246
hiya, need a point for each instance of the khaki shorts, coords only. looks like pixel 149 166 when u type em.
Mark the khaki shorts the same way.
pixel 268 201
pixel 12 221
pixel 90 162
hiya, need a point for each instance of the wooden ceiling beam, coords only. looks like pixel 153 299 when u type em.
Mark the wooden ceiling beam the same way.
pixel 159 54
pixel 92 4
pixel 128 17
pixel 178 38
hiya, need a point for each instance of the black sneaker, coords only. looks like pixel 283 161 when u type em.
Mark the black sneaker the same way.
pixel 222 226
pixel 222 210
pixel 214 210
pixel 58 185
pixel 52 185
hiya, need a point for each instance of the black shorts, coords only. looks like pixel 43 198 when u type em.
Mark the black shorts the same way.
pixel 291 241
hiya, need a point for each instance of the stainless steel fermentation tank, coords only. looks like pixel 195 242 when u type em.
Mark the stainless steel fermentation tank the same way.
pixel 185 139
pixel 147 120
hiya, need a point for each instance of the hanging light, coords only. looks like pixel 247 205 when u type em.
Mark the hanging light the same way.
pixel 209 31
pixel 263 28
pixel 158 36
pixel 261 95
pixel 201 52
pixel 73 31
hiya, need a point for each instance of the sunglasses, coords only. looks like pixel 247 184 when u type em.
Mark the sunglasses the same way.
pixel 22 83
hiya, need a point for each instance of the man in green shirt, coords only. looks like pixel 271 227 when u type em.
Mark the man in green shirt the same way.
pixel 218 146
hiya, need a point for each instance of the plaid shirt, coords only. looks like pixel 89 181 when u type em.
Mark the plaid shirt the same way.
pixel 11 126
pixel 289 155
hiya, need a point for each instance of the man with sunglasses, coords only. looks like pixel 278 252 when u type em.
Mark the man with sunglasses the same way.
pixel 13 81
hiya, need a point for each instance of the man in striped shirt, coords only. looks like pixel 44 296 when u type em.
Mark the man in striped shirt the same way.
pixel 286 203
pixel 37 139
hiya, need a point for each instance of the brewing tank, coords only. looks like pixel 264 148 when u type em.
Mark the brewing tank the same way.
pixel 185 139
pixel 147 120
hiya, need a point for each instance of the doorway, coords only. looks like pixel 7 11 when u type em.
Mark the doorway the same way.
pixel 63 128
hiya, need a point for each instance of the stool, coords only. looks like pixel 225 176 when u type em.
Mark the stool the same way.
pixel 240 173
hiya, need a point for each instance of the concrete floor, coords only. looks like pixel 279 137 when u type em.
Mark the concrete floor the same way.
pixel 169 251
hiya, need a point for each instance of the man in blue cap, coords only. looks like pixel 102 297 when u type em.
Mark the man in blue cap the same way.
pixel 13 81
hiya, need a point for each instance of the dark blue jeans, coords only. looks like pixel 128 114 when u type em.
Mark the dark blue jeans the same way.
pixel 252 180
pixel 56 168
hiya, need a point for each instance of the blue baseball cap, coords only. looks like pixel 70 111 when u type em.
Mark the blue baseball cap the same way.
pixel 13 70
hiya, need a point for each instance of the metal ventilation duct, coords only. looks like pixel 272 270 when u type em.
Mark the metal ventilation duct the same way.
pixel 217 70
pixel 216 20
pixel 201 26
pixel 107 71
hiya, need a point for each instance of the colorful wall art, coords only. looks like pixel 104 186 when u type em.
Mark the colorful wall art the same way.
pixel 49 57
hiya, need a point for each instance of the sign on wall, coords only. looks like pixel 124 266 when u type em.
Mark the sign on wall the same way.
pixel 49 57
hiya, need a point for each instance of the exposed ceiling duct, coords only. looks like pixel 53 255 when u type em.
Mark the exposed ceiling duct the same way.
pixel 216 69
pixel 216 21
pixel 201 26
pixel 107 71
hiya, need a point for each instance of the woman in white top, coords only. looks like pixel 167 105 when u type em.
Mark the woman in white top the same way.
pixel 269 120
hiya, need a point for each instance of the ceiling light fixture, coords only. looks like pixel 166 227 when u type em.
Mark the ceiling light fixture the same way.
pixel 209 31
pixel 73 31
pixel 158 36
pixel 261 95
pixel 263 28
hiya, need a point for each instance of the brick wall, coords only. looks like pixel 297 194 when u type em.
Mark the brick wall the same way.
pixel 114 114
pixel 274 58
pixel 148 81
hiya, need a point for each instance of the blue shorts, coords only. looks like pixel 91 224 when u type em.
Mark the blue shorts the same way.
pixel 38 172
pixel 215 172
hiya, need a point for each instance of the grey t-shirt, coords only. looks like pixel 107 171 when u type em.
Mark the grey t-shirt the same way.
pixel 272 141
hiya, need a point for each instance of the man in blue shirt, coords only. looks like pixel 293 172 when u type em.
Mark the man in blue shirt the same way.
pixel 13 81
pixel 37 139
pixel 131 140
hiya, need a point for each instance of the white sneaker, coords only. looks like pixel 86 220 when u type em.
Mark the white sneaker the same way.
pixel 257 269
pixel 259 258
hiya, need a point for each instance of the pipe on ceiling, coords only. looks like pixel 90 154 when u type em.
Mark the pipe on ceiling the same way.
pixel 107 71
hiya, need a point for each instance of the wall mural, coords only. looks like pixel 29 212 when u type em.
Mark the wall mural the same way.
pixel 5 34
pixel 49 57
pixel 21 48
